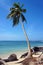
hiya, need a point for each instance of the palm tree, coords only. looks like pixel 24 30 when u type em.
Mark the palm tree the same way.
pixel 16 14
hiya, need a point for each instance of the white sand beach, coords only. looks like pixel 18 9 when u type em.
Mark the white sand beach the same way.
pixel 16 62
pixel 19 54
pixel 5 56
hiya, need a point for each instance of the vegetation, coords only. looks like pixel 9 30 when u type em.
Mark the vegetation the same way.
pixel 16 14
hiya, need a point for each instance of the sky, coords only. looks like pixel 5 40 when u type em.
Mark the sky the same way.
pixel 34 17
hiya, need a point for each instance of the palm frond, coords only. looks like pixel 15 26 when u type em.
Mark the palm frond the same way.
pixel 24 10
pixel 16 5
pixel 12 13
pixel 23 18
pixel 22 5
pixel 15 20
pixel 15 13
pixel 11 9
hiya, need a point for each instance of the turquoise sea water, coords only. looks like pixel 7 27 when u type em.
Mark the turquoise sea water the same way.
pixel 10 46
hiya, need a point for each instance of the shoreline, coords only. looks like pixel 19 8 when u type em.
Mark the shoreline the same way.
pixel 18 54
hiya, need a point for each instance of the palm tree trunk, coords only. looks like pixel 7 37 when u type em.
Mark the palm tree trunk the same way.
pixel 29 47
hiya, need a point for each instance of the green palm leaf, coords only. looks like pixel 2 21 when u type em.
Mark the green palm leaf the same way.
pixel 23 18
pixel 15 20
pixel 16 12
pixel 24 10
pixel 16 5
pixel 12 13
pixel 11 9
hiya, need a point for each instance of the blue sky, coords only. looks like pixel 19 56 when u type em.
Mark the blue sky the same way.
pixel 34 17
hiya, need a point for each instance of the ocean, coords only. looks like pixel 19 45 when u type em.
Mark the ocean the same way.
pixel 15 46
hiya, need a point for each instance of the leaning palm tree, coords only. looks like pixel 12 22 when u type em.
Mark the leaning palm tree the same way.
pixel 16 14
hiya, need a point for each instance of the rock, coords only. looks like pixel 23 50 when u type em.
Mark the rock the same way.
pixel 36 49
pixel 24 55
pixel 41 49
pixel 12 57
pixel 2 62
pixel 0 58
pixel 6 60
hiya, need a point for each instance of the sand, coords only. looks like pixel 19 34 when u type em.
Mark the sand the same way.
pixel 16 62
pixel 5 56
